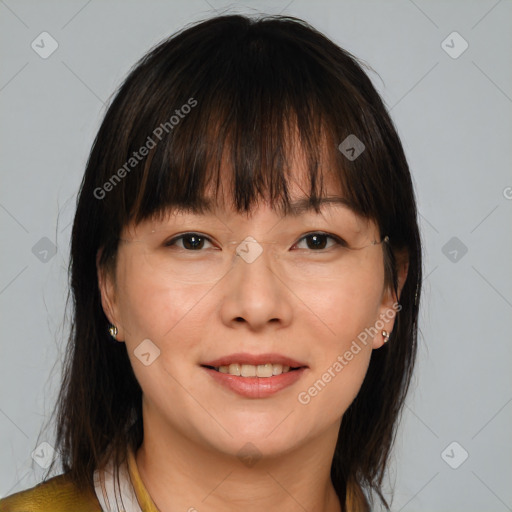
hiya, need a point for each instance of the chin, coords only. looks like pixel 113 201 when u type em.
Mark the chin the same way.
pixel 260 442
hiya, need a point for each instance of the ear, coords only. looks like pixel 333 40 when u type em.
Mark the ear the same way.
pixel 390 306
pixel 106 284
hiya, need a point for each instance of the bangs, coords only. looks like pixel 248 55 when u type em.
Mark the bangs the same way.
pixel 239 161
pixel 241 110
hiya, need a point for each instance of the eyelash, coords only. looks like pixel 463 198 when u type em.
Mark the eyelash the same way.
pixel 339 241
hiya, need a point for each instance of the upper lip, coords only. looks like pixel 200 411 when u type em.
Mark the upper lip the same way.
pixel 255 359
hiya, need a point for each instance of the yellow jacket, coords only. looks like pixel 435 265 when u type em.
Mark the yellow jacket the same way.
pixel 59 494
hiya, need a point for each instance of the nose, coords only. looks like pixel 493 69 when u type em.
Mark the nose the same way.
pixel 254 294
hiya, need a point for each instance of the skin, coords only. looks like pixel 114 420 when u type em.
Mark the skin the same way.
pixel 193 427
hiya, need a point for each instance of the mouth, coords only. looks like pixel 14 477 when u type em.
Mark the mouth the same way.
pixel 255 376
pixel 254 365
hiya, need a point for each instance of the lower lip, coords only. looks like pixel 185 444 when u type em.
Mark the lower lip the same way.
pixel 256 387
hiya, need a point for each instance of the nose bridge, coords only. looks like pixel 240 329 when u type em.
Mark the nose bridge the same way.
pixel 250 249
pixel 254 257
pixel 253 290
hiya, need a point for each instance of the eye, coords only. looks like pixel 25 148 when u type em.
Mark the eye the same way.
pixel 316 241
pixel 191 241
pixel 319 239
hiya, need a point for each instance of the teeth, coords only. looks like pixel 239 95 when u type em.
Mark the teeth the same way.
pixel 233 369
pixel 265 370
pixel 277 369
pixel 249 370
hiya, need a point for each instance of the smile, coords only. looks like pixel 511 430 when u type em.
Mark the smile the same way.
pixel 249 370
pixel 254 386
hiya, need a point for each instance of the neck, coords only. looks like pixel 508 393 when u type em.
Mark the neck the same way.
pixel 181 474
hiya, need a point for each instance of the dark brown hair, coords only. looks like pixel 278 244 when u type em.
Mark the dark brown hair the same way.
pixel 238 89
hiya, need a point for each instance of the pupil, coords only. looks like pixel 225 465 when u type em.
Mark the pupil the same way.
pixel 193 245
pixel 317 245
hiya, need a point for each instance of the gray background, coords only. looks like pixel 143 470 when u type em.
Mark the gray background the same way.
pixel 454 118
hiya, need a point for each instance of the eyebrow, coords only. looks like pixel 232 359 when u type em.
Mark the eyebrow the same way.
pixel 295 208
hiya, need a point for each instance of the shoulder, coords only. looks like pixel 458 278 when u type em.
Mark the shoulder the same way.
pixel 58 494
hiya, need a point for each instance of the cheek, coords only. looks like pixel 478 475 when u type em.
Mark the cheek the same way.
pixel 166 316
pixel 350 309
pixel 350 306
pixel 150 308
pixel 338 374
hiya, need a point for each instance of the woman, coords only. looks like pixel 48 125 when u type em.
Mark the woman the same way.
pixel 246 272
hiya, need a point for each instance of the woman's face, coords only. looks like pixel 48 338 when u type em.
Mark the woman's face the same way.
pixel 318 307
